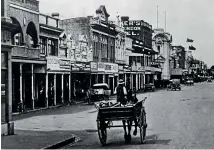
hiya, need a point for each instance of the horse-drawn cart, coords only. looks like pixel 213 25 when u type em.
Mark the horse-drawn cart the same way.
pixel 128 113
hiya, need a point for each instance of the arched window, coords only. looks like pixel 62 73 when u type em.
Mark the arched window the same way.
pixel 17 34
pixel 32 38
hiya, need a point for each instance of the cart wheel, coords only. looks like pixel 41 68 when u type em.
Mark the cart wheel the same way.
pixel 102 133
pixel 143 127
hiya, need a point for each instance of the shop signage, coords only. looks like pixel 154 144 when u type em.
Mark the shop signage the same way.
pixel 87 68
pixel 93 66
pixel 120 68
pixel 177 71
pixel 65 64
pixel 107 67
pixel 54 63
pixel 140 69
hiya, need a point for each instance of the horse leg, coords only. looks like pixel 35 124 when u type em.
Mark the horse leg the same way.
pixel 124 127
pixel 135 130
pixel 129 129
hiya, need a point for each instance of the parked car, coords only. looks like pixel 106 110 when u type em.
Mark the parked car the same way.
pixel 189 82
pixel 149 87
pixel 209 80
pixel 100 91
pixel 174 84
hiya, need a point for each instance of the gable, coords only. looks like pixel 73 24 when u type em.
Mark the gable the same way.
pixel 101 11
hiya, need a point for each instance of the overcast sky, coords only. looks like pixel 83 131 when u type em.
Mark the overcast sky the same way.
pixel 192 19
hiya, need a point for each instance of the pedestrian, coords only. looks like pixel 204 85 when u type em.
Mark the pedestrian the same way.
pixel 121 92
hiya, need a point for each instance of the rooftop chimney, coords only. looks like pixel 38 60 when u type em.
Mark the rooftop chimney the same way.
pixel 55 15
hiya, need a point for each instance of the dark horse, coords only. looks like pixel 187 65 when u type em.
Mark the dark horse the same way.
pixel 130 99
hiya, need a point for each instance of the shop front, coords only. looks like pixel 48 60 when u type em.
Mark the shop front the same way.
pixel 58 85
pixel 81 80
pixel 141 77
pixel 108 73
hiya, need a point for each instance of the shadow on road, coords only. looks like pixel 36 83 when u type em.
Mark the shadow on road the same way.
pixel 153 139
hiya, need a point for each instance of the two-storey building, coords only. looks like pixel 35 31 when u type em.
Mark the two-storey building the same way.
pixel 93 54
pixel 26 53
pixel 54 79
pixel 177 62
pixel 142 57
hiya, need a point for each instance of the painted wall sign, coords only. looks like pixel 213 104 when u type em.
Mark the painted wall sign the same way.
pixel 54 63
pixel 65 64
pixel 93 66
pixel 107 67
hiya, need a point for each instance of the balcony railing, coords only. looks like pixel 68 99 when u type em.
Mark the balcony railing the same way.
pixel 22 51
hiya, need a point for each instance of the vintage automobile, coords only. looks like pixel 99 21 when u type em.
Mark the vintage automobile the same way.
pixel 149 87
pixel 189 82
pixel 174 84
pixel 100 91
pixel 209 79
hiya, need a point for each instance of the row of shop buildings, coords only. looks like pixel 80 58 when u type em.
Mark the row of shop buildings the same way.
pixel 48 61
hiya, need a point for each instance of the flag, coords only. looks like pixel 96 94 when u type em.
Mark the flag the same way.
pixel 189 40
pixel 192 48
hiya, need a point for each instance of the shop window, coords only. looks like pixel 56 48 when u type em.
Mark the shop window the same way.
pixel 52 47
pixel 43 45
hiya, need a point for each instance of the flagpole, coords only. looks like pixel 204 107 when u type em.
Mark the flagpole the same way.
pixel 165 21
pixel 157 16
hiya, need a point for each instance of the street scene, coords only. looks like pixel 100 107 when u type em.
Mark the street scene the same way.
pixel 173 122
pixel 107 74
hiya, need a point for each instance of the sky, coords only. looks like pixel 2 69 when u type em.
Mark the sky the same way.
pixel 192 19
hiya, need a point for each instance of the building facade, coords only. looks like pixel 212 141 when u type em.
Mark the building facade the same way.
pixel 54 79
pixel 26 53
pixel 142 57
pixel 162 45
pixel 93 50
pixel 7 27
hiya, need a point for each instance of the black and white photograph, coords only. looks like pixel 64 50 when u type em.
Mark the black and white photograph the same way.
pixel 107 74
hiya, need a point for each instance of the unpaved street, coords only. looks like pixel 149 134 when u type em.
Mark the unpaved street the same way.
pixel 176 119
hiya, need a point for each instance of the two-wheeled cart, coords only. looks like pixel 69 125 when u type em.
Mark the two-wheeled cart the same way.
pixel 107 115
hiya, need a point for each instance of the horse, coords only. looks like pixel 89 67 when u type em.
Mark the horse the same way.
pixel 133 99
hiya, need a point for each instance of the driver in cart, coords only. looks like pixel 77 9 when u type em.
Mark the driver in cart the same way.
pixel 121 92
